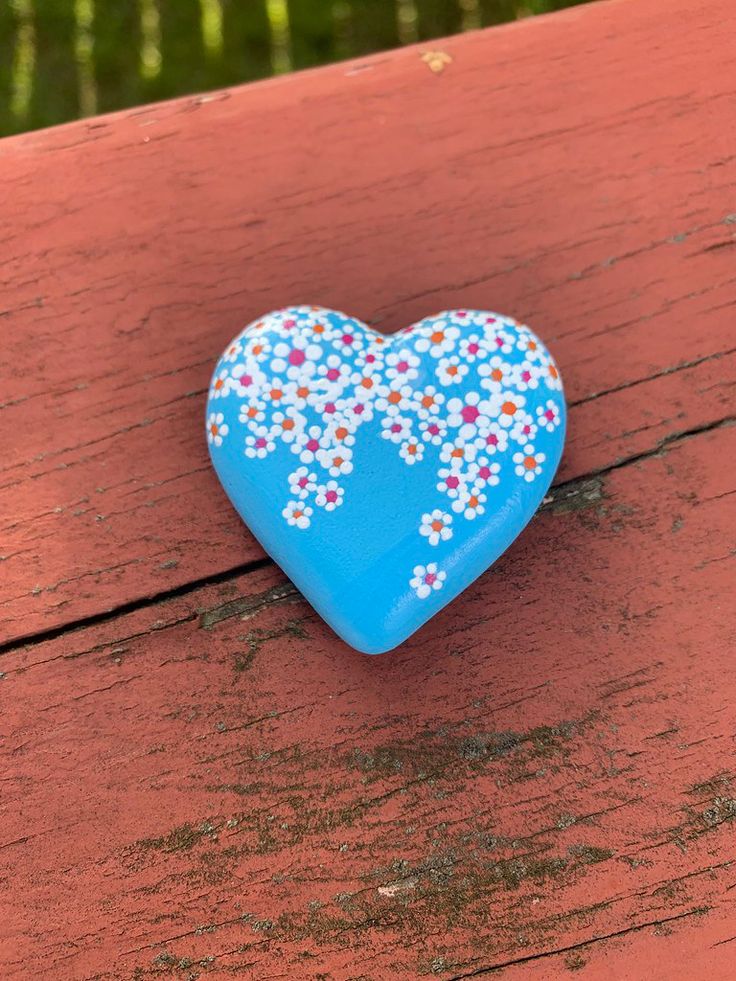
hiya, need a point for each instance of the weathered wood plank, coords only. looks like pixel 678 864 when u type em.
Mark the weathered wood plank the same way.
pixel 213 784
pixel 568 170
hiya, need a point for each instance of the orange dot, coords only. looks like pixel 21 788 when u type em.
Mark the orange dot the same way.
pixel 411 449
pixel 302 392
pixel 287 424
pixel 437 337
pixel 213 429
pixel 427 401
pixel 252 412
pixel 341 432
pixel 452 370
pixel 338 461
pixel 394 397
pixel 497 375
pixel 298 514
pixel 276 394
pixel 319 329
pixel 508 408
pixel 218 384
pixel 437 526
pixel 257 348
pixel 532 345
pixel 473 502
pixel 367 383
pixel 529 462
pixel 553 371
pixel 458 451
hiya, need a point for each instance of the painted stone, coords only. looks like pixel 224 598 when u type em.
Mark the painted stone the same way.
pixel 385 473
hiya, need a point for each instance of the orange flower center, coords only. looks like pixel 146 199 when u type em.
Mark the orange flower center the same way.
pixel 437 337
pixel 276 394
pixel 529 462
pixel 213 429
pixel 437 526
pixel 394 397
pixel 508 408
pixel 497 374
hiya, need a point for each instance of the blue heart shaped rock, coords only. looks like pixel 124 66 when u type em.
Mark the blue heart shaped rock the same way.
pixel 385 473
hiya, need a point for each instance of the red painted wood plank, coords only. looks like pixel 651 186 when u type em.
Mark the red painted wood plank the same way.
pixel 575 170
pixel 215 782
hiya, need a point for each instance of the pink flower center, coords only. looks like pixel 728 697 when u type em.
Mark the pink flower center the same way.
pixel 297 357
pixel 396 428
pixel 260 442
pixel 333 374
pixel 331 496
pixel 430 578
pixel 470 413
pixel 402 366
pixel 246 380
pixel 452 482
pixel 303 481
pixel 358 409
pixel 473 348
pixel 347 338
pixel 433 429
pixel 499 342
pixel 491 440
pixel 484 473
pixel 370 358
pixel 289 324
pixel 330 407
pixel 526 375
pixel 313 445
pixel 549 414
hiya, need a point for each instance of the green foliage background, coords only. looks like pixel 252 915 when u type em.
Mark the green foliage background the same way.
pixel 60 59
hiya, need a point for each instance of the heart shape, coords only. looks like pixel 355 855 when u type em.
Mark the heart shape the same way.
pixel 385 473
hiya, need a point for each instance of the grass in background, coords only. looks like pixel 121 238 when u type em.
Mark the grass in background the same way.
pixel 61 59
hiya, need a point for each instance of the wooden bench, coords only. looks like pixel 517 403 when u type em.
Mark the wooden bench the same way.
pixel 198 779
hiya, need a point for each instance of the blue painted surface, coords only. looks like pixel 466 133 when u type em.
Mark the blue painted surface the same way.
pixel 384 474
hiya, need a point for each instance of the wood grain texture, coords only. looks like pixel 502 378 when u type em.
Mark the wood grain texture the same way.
pixel 577 171
pixel 215 782
pixel 198 779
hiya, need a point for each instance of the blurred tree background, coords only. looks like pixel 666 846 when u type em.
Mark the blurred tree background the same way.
pixel 60 59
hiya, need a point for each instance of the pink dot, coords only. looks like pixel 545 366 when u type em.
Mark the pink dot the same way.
pixel 297 357
pixel 492 440
pixel 430 578
pixel 330 408
pixel 490 320
pixel 370 358
pixel 246 380
pixel 469 413
pixel 347 338
pixel 313 445
pixel 396 428
pixel 402 366
pixel 433 429
pixel 484 473
pixel 452 482
pixel 333 374
pixel 462 313
pixel 527 429
pixel 331 496
pixel 499 342
pixel 303 481
pixel 473 348
pixel 260 442
pixel 526 375
pixel 358 409
pixel 289 324
pixel 549 414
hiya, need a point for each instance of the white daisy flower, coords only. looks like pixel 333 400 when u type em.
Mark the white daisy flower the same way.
pixel 297 514
pixel 426 578
pixel 436 526
pixel 217 428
